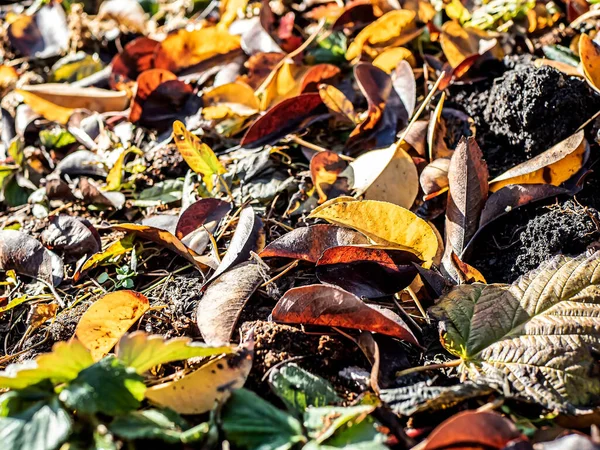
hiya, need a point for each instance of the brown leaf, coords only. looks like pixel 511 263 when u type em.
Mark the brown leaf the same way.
pixel 468 183
pixel 25 255
pixel 309 243
pixel 318 304
pixel 223 301
pixel 137 56
pixel 465 272
pixel 324 170
pixel 367 272
pixel 282 119
pixel 72 236
pixel 321 73
pixel 249 237
pixel 203 211
pixel 354 15
pixel 91 193
pixel 473 430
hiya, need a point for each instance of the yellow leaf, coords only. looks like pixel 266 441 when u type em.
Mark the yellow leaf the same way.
pixel 554 166
pixel 118 248
pixel 589 52
pixel 230 99
pixel 229 12
pixel 337 102
pixel 459 43
pixel 457 11
pixel 384 223
pixel 46 109
pixel 198 155
pixel 284 84
pixel 197 392
pixel 115 176
pixel 61 365
pixel 108 319
pixel 389 59
pixel 142 352
pixel 69 96
pixel 385 31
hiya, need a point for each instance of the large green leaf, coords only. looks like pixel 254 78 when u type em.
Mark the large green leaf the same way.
pixel 63 364
pixel 536 334
pixel 250 422
pixel 299 389
pixel 142 351
pixel 43 426
pixel 107 387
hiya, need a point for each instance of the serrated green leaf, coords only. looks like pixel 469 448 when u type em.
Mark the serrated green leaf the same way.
pixel 43 426
pixel 107 387
pixel 161 193
pixel 61 365
pixel 536 335
pixel 250 422
pixel 299 389
pixel 142 352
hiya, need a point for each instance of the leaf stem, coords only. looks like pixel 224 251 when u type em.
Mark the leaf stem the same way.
pixel 448 364
pixel 226 187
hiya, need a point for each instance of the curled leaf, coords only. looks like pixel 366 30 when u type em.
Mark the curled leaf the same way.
pixel 324 170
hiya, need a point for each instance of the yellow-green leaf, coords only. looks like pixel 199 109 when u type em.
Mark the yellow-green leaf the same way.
pixel 198 155
pixel 115 176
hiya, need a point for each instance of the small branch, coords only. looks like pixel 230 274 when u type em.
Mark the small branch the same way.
pixel 446 365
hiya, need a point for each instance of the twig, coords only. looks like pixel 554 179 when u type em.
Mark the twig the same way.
pixel 285 270
pixel 453 363
pixel 418 303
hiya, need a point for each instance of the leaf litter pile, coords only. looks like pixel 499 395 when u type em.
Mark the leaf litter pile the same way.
pixel 282 225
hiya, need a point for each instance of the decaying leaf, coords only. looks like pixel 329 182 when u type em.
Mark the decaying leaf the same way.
pixel 108 319
pixel 325 167
pixel 198 155
pixel 25 254
pixel 199 391
pixel 223 301
pixel 142 351
pixel 330 306
pixel 384 223
pixel 546 326
pixel 309 243
pixel 554 166
pixel 367 272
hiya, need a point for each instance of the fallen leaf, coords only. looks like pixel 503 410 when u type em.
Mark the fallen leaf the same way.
pixel 282 119
pixel 317 75
pixel 390 29
pixel 142 352
pixel 473 429
pixel 249 237
pixel 197 155
pixel 589 52
pixel 325 167
pixel 223 301
pixel 46 109
pixel 465 272
pixel 337 102
pixel 377 174
pixel 330 306
pixel 184 48
pixel 354 15
pixel 389 59
pixel 434 178
pixel 309 243
pixel 108 319
pixel 92 193
pixel 234 98
pixel 367 272
pixel 115 175
pixel 127 13
pixel 436 131
pixel 459 43
pixel 546 326
pixel 385 223
pixel 198 392
pixel 405 85
pixel 115 249
pixel 554 166
pixel 81 162
pixel 73 97
pixel 70 235
pixel 40 313
pixel 24 254
pixel 137 56
pixel 165 239
pixel 203 212
pixel 468 192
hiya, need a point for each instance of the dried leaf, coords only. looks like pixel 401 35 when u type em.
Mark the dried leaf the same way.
pixel 554 166
pixel 309 243
pixel 330 306
pixel 143 352
pixel 389 59
pixel 367 272
pixel 249 237
pixel 465 272
pixel 546 326
pixel 318 74
pixel 73 97
pixel 232 98
pixel 115 249
pixel 434 178
pixel 468 191
pixel 197 155
pixel 385 223
pixel 46 109
pixel 223 301
pixel 405 85
pixel 137 56
pixel 69 234
pixel 325 168
pixel 459 43
pixel 337 102
pixel 24 254
pixel 108 319
pixel 199 391
pixel 203 212
pixel 589 52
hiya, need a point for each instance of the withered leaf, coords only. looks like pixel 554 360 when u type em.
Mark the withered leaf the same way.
pixel 70 235
pixel 309 243
pixel 330 306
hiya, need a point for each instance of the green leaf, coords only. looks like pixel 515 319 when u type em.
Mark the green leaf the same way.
pixel 536 335
pixel 329 50
pixel 61 365
pixel 75 67
pixel 107 387
pixel 141 351
pixel 323 423
pixel 299 389
pixel 161 193
pixel 250 422
pixel 561 54
pixel 14 193
pixel 56 138
pixel 44 426
pixel 154 424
